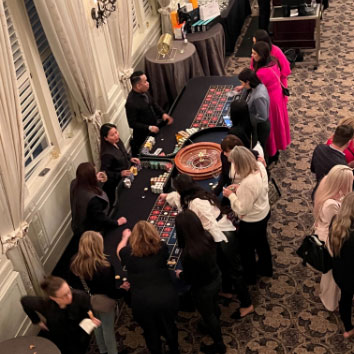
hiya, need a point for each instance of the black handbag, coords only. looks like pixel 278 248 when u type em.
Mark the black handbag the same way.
pixel 285 90
pixel 314 252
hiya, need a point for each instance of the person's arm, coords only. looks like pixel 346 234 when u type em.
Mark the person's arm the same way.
pixel 174 200
pixel 96 215
pixel 329 209
pixel 243 200
pixel 262 110
pixel 224 178
pixel 123 243
pixel 33 305
pixel 204 211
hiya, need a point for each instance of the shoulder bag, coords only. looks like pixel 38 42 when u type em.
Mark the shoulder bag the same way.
pixel 314 252
pixel 99 302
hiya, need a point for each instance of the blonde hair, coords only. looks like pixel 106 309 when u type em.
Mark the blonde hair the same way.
pixel 144 239
pixel 347 121
pixel 342 224
pixel 337 183
pixel 90 256
pixel 244 161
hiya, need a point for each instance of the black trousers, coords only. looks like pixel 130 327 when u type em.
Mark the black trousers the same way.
pixel 345 308
pixel 264 14
pixel 156 324
pixel 206 302
pixel 253 240
pixel 229 262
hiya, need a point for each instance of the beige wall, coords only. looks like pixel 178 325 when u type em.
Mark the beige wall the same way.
pixel 47 206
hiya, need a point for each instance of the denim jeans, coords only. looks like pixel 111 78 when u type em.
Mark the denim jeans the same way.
pixel 105 335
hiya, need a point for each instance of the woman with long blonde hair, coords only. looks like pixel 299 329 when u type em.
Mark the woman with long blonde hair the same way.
pixel 249 200
pixel 328 197
pixel 154 298
pixel 91 265
pixel 342 244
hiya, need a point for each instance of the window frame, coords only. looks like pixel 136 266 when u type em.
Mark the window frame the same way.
pixel 57 139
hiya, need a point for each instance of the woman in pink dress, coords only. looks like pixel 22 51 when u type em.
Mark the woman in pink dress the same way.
pixel 276 52
pixel 268 71
pixel 328 198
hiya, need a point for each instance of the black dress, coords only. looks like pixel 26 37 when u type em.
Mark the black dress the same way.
pixel 343 274
pixel 113 161
pixel 154 298
pixel 205 279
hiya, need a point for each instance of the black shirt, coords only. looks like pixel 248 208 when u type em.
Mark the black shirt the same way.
pixel 142 112
pixel 150 282
pixel 324 158
pixel 113 161
pixel 343 266
pixel 102 282
pixel 63 324
pixel 200 272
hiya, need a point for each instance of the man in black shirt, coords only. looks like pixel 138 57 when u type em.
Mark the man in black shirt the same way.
pixel 326 156
pixel 145 117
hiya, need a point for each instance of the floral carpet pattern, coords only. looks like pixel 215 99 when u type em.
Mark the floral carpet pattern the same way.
pixel 288 317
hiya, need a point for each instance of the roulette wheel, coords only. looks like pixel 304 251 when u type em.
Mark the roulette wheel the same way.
pixel 199 160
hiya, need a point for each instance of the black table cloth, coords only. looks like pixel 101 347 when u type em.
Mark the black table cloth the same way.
pixel 210 46
pixel 232 19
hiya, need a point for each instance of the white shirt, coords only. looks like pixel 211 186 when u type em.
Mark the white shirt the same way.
pixel 207 214
pixel 250 202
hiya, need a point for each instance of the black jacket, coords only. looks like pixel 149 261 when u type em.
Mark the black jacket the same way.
pixel 63 324
pixel 89 211
pixel 141 114
pixel 113 162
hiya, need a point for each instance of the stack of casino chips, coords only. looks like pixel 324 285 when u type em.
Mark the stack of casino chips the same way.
pixel 148 145
pixel 182 136
pixel 157 183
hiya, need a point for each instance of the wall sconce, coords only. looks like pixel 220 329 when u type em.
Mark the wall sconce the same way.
pixel 102 11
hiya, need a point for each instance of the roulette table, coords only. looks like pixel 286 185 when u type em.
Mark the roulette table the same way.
pixel 137 203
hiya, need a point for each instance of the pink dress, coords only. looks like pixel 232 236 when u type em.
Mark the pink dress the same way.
pixel 329 291
pixel 285 70
pixel 279 136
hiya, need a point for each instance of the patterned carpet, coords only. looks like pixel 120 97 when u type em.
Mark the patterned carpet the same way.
pixel 289 317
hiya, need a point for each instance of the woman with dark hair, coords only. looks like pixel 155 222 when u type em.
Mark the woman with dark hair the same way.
pixel 63 309
pixel 276 52
pixel 89 203
pixel 228 143
pixel 115 160
pixel 200 270
pixel 189 195
pixel 241 124
pixel 268 72
pixel 257 99
pixel 90 264
pixel 342 245
pixel 154 298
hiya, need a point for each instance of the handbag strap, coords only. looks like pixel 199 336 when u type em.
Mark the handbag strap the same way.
pixel 281 84
pixel 85 286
